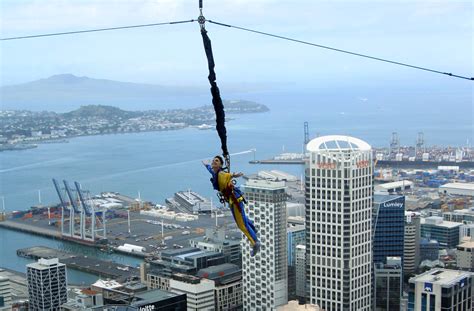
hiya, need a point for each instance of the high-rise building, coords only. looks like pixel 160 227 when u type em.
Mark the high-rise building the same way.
pixel 388 226
pixel 445 232
pixel 388 279
pixel 465 256
pixel 339 223
pixel 441 289
pixel 47 284
pixel 296 236
pixel 199 292
pixel 228 285
pixel 300 264
pixel 429 249
pixel 411 249
pixel 5 294
pixel 265 275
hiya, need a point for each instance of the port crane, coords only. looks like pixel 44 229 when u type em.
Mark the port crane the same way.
pixel 97 218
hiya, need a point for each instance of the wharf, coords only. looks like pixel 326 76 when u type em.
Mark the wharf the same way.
pixel 102 268
pixel 271 161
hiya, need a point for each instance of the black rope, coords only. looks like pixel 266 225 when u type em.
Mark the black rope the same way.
pixel 216 97
pixel 96 30
pixel 342 51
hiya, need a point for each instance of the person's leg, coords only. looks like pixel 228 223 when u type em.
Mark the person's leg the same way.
pixel 241 221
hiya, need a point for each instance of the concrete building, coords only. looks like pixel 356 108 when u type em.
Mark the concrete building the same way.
pixel 466 189
pixel 5 294
pixel 185 260
pixel 217 242
pixel 300 265
pixel 339 223
pixel 296 235
pixel 388 279
pixel 465 216
pixel 429 249
pixel 411 248
pixel 47 284
pixel 445 232
pixel 465 256
pixel 199 292
pixel 265 275
pixel 388 226
pixel 228 285
pixel 441 290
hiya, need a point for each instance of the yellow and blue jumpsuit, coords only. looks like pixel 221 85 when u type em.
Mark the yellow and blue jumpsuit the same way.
pixel 222 182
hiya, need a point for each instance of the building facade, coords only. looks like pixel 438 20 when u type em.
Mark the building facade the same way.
pixel 388 281
pixel 429 249
pixel 465 256
pixel 300 265
pixel 199 292
pixel 47 284
pixel 445 232
pixel 265 275
pixel 411 247
pixel 228 285
pixel 441 289
pixel 5 294
pixel 388 226
pixel 339 223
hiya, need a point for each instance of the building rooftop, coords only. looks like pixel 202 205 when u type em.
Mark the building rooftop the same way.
pixel 153 296
pixel 469 244
pixel 395 184
pixel 107 284
pixel 441 276
pixel 439 222
pixel 264 184
pixel 219 271
pixel 295 228
pixel 458 185
pixel 380 198
pixel 337 143
pixel 42 264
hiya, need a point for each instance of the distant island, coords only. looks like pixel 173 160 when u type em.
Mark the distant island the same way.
pixel 22 129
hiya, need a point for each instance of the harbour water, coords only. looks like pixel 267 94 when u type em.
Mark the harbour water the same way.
pixel 157 164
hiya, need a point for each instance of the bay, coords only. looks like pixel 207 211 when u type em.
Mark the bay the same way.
pixel 157 164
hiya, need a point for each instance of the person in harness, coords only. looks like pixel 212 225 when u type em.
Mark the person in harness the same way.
pixel 222 181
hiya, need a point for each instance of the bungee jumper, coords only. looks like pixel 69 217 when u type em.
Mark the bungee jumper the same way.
pixel 222 179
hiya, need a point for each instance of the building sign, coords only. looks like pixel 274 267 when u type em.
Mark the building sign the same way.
pixel 329 166
pixel 362 164
pixel 147 308
pixel 428 287
pixel 399 202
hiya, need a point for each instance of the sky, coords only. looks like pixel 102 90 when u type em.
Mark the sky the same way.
pixel 435 34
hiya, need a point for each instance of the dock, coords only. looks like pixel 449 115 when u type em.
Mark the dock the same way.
pixel 101 268
pixel 272 161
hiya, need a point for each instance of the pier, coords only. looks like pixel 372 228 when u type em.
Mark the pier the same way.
pixel 101 268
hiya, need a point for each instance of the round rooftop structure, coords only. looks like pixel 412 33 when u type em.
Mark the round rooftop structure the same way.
pixel 337 143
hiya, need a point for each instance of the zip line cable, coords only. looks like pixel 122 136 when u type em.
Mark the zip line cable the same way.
pixel 341 51
pixel 248 30
pixel 97 30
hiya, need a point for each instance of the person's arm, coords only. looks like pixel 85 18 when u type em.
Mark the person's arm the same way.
pixel 239 174
pixel 208 166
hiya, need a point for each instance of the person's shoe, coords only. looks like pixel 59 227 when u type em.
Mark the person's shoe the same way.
pixel 255 249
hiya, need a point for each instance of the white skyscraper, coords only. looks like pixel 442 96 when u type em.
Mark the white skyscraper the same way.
pixel 265 276
pixel 339 223
pixel 47 284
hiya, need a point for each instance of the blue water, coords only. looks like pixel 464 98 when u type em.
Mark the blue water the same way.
pixel 160 163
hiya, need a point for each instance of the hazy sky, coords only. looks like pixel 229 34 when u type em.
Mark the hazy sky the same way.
pixel 437 34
